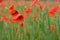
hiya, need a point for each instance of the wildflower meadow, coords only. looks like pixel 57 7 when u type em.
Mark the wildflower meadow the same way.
pixel 29 20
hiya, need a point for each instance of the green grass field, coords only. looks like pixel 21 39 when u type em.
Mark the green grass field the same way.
pixel 39 25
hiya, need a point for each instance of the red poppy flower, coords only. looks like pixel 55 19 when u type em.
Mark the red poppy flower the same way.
pixel 13 13
pixel 51 13
pixel 16 16
pixel 52 27
pixel 53 10
pixel 19 18
pixel 56 8
pixel 1 1
pixel 4 17
pixel 11 7
pixel 34 2
pixel 42 6
pixel 27 10
pixel 2 4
